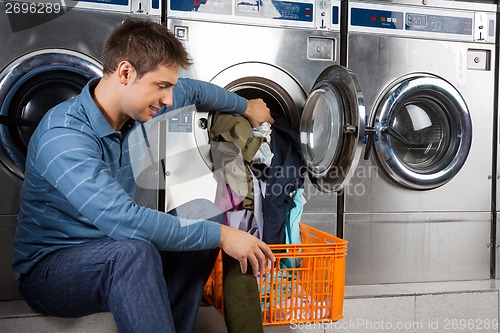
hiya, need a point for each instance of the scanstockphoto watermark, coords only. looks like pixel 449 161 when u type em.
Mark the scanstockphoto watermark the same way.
pixel 25 15
pixel 355 184
pixel 184 161
pixel 360 325
pixel 438 325
pixel 146 169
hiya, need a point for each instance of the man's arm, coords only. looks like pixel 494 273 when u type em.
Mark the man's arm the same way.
pixel 210 97
pixel 71 161
pixel 257 113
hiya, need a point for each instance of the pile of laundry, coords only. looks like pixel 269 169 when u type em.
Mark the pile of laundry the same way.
pixel 284 298
pixel 260 175
pixel 259 172
pixel 299 308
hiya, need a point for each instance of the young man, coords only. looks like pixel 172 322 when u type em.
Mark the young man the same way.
pixel 82 244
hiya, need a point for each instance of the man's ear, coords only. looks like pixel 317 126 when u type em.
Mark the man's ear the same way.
pixel 125 72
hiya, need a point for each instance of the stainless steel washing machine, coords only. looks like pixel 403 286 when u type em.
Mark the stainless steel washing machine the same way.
pixel 43 61
pixel 420 206
pixel 495 249
pixel 281 51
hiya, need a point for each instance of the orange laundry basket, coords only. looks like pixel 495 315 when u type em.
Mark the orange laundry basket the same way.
pixel 311 292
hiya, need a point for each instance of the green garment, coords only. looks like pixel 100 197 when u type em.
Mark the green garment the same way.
pixel 242 309
pixel 233 146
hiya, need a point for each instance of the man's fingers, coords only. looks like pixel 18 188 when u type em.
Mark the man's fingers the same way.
pixel 257 262
pixel 267 251
pixel 246 248
pixel 254 263
pixel 243 266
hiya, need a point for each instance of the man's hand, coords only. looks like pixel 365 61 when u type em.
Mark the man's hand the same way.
pixel 245 248
pixel 257 112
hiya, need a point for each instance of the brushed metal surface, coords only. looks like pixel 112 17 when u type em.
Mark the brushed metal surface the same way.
pixel 391 58
pixel 9 286
pixel 214 47
pixel 225 53
pixel 473 5
pixel 417 247
pixel 78 31
pixel 398 234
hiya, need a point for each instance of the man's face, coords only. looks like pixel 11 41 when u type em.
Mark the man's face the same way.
pixel 151 92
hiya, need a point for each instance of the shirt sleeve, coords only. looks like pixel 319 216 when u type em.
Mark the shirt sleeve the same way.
pixel 207 97
pixel 71 161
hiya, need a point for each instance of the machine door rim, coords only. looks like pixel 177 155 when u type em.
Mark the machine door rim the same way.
pixel 335 112
pixel 412 89
pixel 23 69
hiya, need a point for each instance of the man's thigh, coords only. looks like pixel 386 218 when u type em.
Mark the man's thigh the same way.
pixel 74 281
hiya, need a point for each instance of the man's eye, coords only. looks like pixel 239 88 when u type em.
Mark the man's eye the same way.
pixel 162 87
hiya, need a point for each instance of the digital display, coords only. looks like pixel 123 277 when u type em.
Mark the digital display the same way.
pixel 416 20
pixel 269 9
pixel 376 18
pixel 109 2
pixel 438 23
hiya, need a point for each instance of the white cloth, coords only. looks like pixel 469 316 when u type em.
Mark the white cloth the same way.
pixel 264 155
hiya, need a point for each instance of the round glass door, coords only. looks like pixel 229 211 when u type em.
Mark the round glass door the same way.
pixel 32 85
pixel 423 131
pixel 331 126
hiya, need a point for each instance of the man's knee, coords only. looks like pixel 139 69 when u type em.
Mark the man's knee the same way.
pixel 136 251
pixel 200 209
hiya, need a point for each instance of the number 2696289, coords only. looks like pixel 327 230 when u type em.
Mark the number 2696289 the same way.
pixel 32 8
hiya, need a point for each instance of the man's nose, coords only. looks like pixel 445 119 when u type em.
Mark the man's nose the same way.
pixel 167 99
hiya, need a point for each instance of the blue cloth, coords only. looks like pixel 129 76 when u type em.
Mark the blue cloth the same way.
pixel 79 184
pixel 283 177
pixel 126 278
pixel 293 218
pixel 292 230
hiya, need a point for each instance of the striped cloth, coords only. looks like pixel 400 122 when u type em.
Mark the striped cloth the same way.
pixel 79 183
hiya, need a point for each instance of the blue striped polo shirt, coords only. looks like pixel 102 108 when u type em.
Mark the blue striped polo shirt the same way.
pixel 79 183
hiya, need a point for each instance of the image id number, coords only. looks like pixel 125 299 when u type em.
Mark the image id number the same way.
pixel 32 8
pixel 470 324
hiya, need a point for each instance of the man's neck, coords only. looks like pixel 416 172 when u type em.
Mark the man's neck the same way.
pixel 108 107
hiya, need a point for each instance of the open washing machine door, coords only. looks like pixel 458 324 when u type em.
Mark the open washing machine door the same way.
pixel 188 167
pixel 170 158
pixel 332 128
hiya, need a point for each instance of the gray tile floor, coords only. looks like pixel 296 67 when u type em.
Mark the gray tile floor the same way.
pixel 462 306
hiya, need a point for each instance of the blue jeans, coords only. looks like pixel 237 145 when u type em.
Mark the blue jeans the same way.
pixel 146 290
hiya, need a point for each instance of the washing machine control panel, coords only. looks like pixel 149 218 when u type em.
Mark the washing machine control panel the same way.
pixel 429 23
pixel 145 7
pixel 317 14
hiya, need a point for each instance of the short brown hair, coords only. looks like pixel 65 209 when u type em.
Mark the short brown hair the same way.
pixel 145 44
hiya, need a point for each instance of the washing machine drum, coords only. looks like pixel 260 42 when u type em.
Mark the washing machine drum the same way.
pixel 30 86
pixel 423 131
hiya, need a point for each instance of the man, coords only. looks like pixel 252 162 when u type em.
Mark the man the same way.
pixel 82 244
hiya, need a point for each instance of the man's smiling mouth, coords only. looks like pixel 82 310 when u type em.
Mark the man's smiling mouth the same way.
pixel 153 110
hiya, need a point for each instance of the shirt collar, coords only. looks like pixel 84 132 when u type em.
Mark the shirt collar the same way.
pixel 98 122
